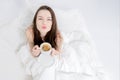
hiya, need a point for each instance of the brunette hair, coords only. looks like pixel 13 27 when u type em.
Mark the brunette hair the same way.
pixel 51 35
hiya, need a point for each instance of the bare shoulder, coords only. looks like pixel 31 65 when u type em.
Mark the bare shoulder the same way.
pixel 29 33
pixel 29 30
pixel 59 38
pixel 59 34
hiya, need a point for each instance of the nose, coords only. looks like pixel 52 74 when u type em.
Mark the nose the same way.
pixel 43 22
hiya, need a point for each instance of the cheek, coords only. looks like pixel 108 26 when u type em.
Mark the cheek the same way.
pixel 38 24
pixel 49 26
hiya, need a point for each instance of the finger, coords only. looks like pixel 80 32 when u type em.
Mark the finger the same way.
pixel 53 53
pixel 38 51
pixel 35 47
pixel 35 53
pixel 53 49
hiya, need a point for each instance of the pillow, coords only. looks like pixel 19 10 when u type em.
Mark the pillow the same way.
pixel 70 20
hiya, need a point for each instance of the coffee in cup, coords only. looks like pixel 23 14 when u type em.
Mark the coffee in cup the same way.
pixel 46 48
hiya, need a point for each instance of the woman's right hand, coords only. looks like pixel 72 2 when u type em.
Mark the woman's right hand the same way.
pixel 36 51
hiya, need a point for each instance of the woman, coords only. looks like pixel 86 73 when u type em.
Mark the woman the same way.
pixel 69 64
pixel 44 29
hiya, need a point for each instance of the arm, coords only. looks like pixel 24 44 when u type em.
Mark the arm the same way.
pixel 30 37
pixel 59 41
pixel 34 49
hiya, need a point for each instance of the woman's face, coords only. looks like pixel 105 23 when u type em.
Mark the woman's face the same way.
pixel 44 21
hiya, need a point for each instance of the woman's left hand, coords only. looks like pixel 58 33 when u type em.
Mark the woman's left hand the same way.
pixel 54 52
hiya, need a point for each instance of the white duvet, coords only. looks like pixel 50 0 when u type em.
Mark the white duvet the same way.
pixel 74 63
pixel 77 60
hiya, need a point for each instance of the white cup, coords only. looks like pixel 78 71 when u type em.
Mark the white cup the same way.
pixel 46 48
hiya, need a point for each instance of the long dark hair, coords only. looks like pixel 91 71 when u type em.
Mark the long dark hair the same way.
pixel 51 35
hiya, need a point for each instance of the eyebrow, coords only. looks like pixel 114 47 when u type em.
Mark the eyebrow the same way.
pixel 47 17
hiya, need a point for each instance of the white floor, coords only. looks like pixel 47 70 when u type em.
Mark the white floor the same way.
pixel 102 19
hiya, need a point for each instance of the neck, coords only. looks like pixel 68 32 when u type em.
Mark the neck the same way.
pixel 43 35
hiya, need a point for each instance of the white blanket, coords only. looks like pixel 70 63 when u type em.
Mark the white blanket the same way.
pixel 74 62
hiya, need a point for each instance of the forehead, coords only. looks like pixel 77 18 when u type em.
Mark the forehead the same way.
pixel 44 13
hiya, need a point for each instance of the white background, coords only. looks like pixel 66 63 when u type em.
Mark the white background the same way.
pixel 102 18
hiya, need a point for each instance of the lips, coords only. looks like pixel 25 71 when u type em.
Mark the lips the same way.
pixel 43 27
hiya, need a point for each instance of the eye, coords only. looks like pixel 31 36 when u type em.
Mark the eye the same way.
pixel 49 19
pixel 40 19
